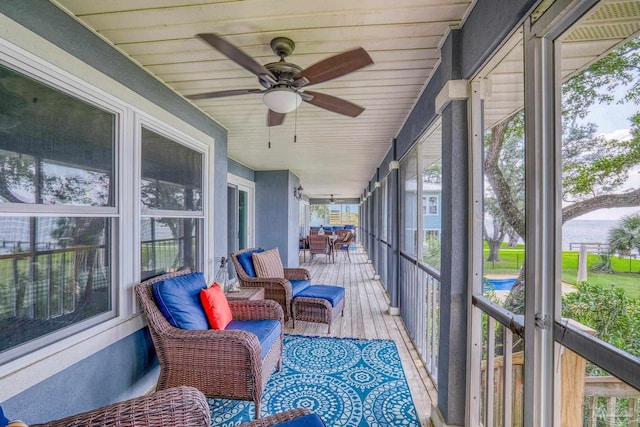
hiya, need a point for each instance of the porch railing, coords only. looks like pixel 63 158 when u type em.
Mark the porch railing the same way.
pixel 584 401
pixel 420 308
pixel 610 402
pixel 500 390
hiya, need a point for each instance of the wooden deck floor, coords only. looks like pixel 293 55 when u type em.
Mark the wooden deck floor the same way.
pixel 366 316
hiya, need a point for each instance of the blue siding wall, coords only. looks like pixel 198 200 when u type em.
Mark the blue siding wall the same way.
pixel 241 170
pixel 277 214
pixel 95 381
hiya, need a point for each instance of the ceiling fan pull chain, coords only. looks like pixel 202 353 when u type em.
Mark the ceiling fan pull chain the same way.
pixel 295 127
pixel 269 137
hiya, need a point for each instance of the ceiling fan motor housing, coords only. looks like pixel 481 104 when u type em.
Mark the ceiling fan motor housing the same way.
pixel 283 71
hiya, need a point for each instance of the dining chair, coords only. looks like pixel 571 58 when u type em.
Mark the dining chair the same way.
pixel 343 244
pixel 303 245
pixel 320 245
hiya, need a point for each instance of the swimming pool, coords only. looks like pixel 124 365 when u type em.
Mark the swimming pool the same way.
pixel 501 284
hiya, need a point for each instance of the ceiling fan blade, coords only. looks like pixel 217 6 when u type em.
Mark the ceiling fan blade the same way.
pixel 332 103
pixel 222 93
pixel 237 56
pixel 332 67
pixel 275 119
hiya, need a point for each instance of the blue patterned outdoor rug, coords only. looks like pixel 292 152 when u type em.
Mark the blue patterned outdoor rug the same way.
pixel 348 382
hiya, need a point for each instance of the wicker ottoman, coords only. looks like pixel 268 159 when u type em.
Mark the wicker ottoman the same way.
pixel 318 303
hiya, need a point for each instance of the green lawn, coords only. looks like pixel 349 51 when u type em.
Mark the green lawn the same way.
pixel 626 272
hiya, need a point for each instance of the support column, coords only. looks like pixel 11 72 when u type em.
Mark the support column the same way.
pixel 375 253
pixel 452 351
pixel 393 260
pixel 370 230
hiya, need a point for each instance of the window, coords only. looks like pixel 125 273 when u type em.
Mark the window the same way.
pixel 384 202
pixel 409 204
pixel 598 142
pixel 430 149
pixel 432 205
pixel 57 187
pixel 171 196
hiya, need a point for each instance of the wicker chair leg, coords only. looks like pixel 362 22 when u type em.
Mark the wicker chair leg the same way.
pixel 293 315
pixel 257 402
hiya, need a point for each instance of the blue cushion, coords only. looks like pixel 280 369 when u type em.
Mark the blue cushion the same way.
pixel 310 420
pixel 179 300
pixel 267 331
pixel 333 294
pixel 299 285
pixel 3 420
pixel 246 261
pixel 349 227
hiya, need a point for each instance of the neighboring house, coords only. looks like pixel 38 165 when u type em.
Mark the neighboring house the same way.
pixel 431 210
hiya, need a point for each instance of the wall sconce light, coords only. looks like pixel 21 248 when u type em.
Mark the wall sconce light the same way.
pixel 297 192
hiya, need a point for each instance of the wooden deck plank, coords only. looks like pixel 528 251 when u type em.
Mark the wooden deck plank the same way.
pixel 366 315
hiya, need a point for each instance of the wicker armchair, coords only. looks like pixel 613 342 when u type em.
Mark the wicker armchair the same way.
pixel 221 364
pixel 282 417
pixel 275 288
pixel 178 406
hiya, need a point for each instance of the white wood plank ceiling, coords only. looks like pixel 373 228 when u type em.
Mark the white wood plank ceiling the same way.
pixel 334 154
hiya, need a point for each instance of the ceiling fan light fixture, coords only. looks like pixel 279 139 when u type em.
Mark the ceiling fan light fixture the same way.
pixel 282 100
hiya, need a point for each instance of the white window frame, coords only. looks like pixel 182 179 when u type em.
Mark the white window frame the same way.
pixel 76 336
pixel 157 126
pixel 57 68
pixel 250 187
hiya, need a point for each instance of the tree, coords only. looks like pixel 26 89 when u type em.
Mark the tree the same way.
pixel 504 156
pixel 594 168
pixel 499 230
pixel 320 211
pixel 433 173
pixel 607 310
pixel 625 236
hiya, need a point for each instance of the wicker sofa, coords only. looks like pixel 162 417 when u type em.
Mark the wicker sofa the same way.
pixel 178 406
pixel 275 288
pixel 220 363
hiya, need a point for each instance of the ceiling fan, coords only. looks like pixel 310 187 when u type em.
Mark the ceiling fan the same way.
pixel 333 201
pixel 285 83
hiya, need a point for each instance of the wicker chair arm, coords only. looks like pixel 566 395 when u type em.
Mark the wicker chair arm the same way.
pixel 256 310
pixel 279 283
pixel 178 406
pixel 281 417
pixel 200 342
pixel 297 274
